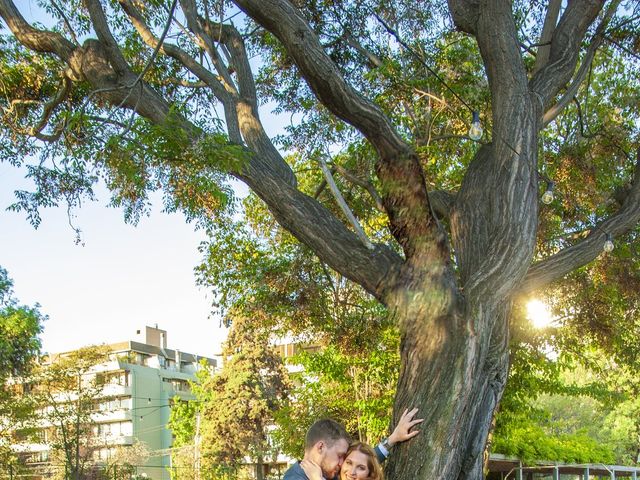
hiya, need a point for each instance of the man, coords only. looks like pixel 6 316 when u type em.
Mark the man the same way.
pixel 327 441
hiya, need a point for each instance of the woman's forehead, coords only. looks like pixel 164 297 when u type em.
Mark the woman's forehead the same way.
pixel 358 457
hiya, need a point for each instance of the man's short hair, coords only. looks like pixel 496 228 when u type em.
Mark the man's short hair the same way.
pixel 326 429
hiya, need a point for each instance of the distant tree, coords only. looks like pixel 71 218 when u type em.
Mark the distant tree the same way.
pixel 354 387
pixel 122 463
pixel 572 389
pixel 19 329
pixel 66 389
pixel 234 409
pixel 566 425
pixel 19 345
pixel 622 425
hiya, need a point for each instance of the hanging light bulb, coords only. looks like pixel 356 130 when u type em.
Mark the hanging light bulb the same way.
pixel 608 244
pixel 547 196
pixel 475 131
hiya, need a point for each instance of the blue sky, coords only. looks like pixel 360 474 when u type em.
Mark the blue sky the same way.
pixel 120 278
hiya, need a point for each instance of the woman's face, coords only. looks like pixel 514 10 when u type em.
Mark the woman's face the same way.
pixel 355 466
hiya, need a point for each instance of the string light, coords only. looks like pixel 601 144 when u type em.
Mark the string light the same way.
pixel 608 244
pixel 475 131
pixel 547 196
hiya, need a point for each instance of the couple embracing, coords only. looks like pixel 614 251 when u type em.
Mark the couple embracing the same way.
pixel 330 455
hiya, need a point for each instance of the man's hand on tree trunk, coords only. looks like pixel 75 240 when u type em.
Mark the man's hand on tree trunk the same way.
pixel 403 431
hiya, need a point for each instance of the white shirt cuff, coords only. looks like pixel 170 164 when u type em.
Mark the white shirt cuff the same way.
pixel 383 450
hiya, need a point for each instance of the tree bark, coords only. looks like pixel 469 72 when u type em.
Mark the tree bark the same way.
pixel 454 358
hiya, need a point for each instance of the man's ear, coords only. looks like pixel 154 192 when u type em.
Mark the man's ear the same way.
pixel 320 446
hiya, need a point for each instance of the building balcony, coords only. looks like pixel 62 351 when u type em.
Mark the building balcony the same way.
pixel 113 440
pixel 114 390
pixel 30 447
pixel 111 416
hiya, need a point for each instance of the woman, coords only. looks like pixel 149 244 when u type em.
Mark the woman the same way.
pixel 360 463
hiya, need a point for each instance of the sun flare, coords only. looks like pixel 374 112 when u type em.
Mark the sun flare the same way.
pixel 539 314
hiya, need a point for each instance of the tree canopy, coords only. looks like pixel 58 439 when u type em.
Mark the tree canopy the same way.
pixel 376 176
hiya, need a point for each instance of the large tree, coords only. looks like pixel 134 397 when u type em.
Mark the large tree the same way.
pixel 126 90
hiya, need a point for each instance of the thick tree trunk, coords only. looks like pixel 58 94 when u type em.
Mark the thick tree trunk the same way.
pixel 454 369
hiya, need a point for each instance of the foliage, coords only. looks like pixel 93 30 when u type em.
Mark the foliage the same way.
pixel 531 442
pixel 20 326
pixel 622 426
pixel 19 329
pixel 566 426
pixel 354 387
pixel 348 351
pixel 260 272
pixel 567 394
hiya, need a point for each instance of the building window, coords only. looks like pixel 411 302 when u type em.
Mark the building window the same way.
pixel 113 378
pixel 113 405
pixel 178 385
pixel 114 429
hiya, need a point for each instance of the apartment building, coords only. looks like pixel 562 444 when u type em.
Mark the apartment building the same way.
pixel 138 384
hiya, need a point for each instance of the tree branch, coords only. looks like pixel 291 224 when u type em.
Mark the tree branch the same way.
pixel 101 27
pixel 270 177
pixel 405 193
pixel 583 130
pixel 550 21
pixel 622 47
pixel 465 14
pixel 38 40
pixel 183 83
pixel 204 75
pixel 442 202
pixel 343 205
pixel 66 21
pixel 264 171
pixel 172 51
pixel 36 131
pixel 371 57
pixel 232 40
pixel 288 24
pixel 207 43
pixel 564 262
pixel 564 51
pixel 583 71
pixel 366 184
pixel 494 218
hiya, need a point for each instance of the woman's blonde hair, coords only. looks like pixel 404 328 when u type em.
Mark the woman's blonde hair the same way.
pixel 375 469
